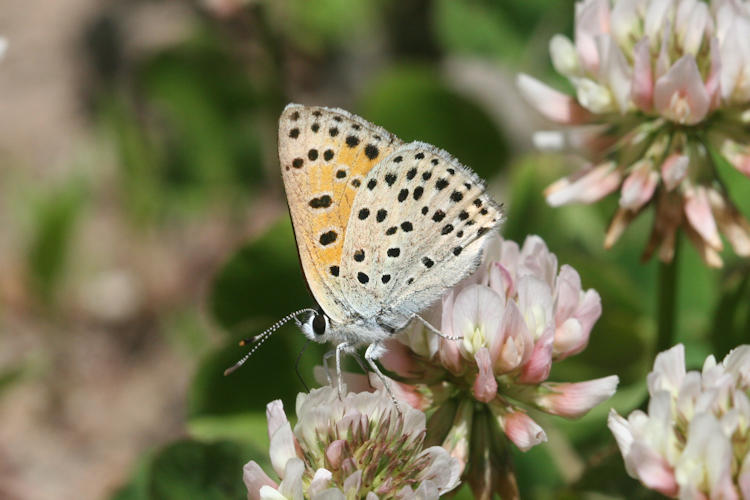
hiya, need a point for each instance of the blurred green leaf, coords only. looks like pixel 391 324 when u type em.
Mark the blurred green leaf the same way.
pixel 191 132
pixel 205 104
pixel 190 469
pixel 313 26
pixel 261 283
pixel 11 375
pixel 413 103
pixel 495 29
pixel 268 375
pixel 54 223
pixel 250 428
pixel 137 486
pixel 140 161
pixel 730 323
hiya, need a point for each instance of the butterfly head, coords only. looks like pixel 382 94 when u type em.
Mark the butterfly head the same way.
pixel 315 325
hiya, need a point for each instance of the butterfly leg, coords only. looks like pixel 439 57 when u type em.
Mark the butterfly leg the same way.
pixel 326 357
pixel 340 348
pixel 371 354
pixel 435 330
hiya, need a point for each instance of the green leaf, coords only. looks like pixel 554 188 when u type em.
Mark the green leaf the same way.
pixel 503 30
pixel 267 376
pixel 413 103
pixel 250 427
pixel 313 26
pixel 731 318
pixel 54 223
pixel 261 283
pixel 190 469
pixel 137 486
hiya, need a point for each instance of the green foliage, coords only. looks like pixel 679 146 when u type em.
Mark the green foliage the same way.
pixel 191 136
pixel 54 222
pixel 262 281
pixel 413 103
pixel 495 29
pixel 258 286
pixel 731 319
pixel 313 26
pixel 190 469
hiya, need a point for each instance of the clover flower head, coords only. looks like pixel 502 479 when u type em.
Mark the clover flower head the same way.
pixel 694 441
pixel 662 94
pixel 515 316
pixel 361 446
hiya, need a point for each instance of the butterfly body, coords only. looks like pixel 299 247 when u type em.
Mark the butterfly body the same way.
pixel 383 228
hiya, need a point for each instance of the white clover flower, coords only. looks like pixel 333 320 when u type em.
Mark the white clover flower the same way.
pixel 662 90
pixel 517 315
pixel 358 447
pixel 694 441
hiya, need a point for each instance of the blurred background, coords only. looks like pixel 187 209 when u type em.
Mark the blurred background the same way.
pixel 143 227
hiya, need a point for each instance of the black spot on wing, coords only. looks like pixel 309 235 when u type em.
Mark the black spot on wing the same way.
pixel 321 202
pixel 328 237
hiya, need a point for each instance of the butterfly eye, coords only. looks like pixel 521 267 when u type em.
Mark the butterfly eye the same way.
pixel 319 324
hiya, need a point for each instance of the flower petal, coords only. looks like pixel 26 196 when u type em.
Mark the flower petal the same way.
pixel 699 215
pixel 680 94
pixel 335 453
pixel 270 493
pixel 333 494
pixel 291 486
pixel 282 448
pixel 444 471
pixel 668 372
pixel 523 430
pixel 738 155
pixel 485 385
pixel 616 71
pixel 592 20
pixel 573 400
pixel 553 105
pixel 642 89
pixel 652 469
pixel 586 186
pixel 639 186
pixel 674 169
pixel 254 479
pixel 320 482
pixel 477 316
pixel 564 55
pixel 537 368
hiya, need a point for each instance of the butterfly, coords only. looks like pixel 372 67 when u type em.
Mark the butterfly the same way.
pixel 383 228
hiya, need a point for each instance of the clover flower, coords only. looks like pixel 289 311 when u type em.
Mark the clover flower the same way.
pixel 694 442
pixel 516 315
pixel 360 446
pixel 662 93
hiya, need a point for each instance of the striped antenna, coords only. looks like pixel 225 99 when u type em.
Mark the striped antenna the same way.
pixel 258 340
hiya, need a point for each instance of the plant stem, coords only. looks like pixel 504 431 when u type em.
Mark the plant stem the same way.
pixel 668 300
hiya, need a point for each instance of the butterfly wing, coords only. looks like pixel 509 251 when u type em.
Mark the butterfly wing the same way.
pixel 416 229
pixel 325 155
